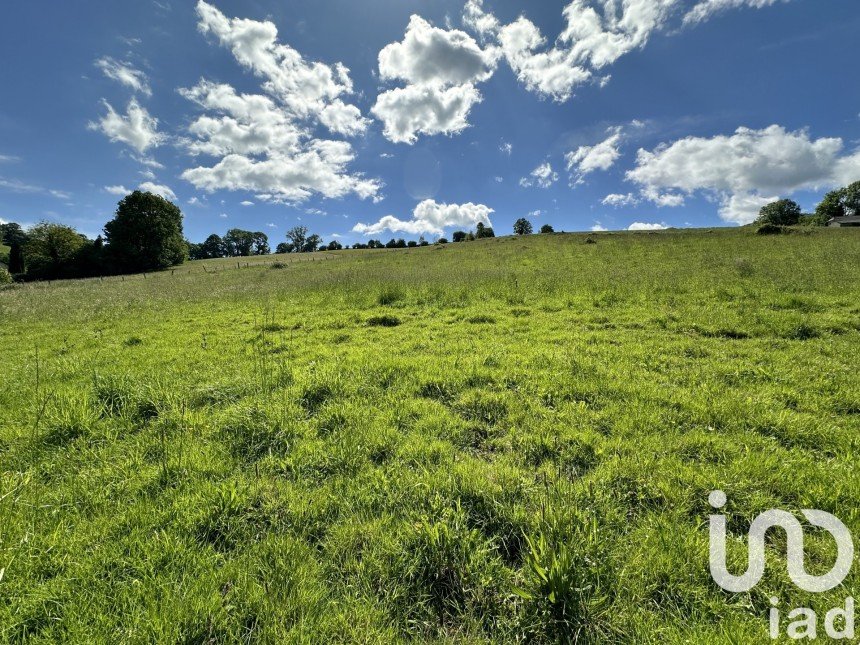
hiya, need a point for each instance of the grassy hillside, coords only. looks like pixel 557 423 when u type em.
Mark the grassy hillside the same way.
pixel 510 438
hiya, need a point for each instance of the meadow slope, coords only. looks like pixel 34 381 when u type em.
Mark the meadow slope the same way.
pixel 497 440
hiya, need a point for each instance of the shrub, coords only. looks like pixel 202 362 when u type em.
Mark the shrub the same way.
pixel 52 251
pixel 784 212
pixel 770 229
pixel 546 228
pixel 5 277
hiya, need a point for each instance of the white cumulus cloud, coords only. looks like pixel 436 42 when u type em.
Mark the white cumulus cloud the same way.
pixel 265 143
pixel 706 8
pixel 304 87
pixel 429 55
pixel 439 68
pixel 247 124
pixel 596 34
pixel 601 156
pixel 282 178
pixel 744 170
pixel 407 112
pixel 136 128
pixel 125 74
pixel 122 191
pixel 432 218
pixel 543 177
pixel 344 119
pixel 646 226
pixel 158 189
pixel 620 199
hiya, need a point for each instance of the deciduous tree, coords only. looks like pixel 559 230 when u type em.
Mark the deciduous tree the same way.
pixel 783 212
pixel 522 227
pixel 145 234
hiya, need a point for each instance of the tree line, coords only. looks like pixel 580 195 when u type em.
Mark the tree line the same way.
pixel 837 204
pixel 144 235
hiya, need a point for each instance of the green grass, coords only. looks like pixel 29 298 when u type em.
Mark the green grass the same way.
pixel 498 440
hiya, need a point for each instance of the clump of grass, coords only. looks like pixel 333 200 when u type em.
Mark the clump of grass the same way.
pixel 481 320
pixel 320 388
pixel 439 390
pixel 217 394
pixel 384 321
pixel 229 518
pixel 273 328
pixel 725 332
pixel 483 407
pixel 390 295
pixel 122 396
pixel 802 331
pixel 133 341
pixel 253 433
pixel 567 593
pixel 67 419
pixel 278 265
pixel 442 567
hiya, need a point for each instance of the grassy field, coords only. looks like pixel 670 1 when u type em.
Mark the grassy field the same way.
pixel 490 441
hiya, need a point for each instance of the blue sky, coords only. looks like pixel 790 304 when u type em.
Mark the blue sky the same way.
pixel 396 118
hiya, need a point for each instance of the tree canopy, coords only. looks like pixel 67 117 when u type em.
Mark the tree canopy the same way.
pixel 52 250
pixel 783 212
pixel 482 231
pixel 851 199
pixel 146 234
pixel 523 227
